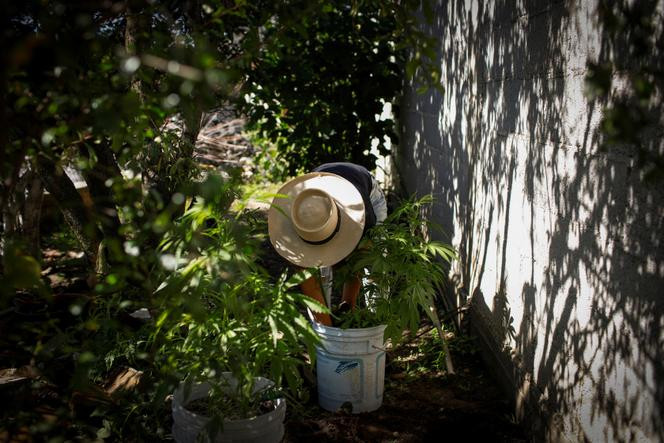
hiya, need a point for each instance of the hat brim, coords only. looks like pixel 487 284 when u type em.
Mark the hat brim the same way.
pixel 289 245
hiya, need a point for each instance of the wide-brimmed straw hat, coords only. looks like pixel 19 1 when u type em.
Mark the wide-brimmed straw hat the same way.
pixel 317 220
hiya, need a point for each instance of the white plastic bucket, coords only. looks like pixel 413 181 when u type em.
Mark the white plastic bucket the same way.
pixel 267 427
pixel 350 367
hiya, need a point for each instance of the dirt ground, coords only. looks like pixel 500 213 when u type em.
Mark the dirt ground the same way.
pixel 421 402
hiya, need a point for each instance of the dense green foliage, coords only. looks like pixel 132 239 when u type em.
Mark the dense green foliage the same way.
pixel 221 312
pixel 116 90
pixel 214 309
pixel 320 88
pixel 405 271
pixel 80 95
pixel 122 86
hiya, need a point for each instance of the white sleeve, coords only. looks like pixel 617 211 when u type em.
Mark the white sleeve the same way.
pixel 378 201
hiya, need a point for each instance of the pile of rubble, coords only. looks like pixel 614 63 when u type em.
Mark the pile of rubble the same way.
pixel 222 143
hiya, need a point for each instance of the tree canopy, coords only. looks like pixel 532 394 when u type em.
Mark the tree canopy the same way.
pixel 92 86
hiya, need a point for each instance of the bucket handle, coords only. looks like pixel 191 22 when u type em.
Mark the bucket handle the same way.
pixel 379 348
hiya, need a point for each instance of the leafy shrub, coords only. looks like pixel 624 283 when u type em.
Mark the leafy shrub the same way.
pixel 316 91
pixel 221 312
pixel 405 271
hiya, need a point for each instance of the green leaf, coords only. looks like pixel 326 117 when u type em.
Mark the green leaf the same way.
pixel 312 304
pixel 297 278
pixel 161 319
pixel 274 329
pixel 105 431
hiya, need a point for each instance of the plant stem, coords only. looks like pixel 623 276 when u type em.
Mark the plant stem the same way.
pixel 436 321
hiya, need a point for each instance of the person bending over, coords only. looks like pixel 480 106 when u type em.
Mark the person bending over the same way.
pixel 319 218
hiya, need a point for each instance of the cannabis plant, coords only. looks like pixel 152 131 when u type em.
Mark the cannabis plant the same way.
pixel 403 271
pixel 222 312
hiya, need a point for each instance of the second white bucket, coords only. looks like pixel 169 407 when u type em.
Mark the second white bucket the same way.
pixel 264 428
pixel 350 366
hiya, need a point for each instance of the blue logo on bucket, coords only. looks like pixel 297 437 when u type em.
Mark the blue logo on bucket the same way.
pixel 346 366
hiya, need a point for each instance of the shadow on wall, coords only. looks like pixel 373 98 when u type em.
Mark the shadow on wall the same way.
pixel 560 237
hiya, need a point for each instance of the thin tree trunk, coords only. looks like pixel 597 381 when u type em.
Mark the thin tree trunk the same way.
pixel 13 205
pixel 192 128
pixel 436 321
pixel 32 215
pixel 192 116
pixel 10 208
pixel 7 173
pixel 194 14
pixel 136 26
pixel 132 43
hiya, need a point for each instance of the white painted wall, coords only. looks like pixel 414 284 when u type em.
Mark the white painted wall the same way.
pixel 560 243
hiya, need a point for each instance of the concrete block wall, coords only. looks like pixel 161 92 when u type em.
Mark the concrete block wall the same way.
pixel 561 251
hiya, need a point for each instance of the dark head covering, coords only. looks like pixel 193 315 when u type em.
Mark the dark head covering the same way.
pixel 360 177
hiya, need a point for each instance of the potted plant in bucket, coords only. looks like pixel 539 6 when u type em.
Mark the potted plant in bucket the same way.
pixel 227 330
pixel 196 414
pixel 249 332
pixel 402 271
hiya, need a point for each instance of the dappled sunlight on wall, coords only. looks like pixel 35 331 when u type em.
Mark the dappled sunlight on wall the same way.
pixel 560 242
